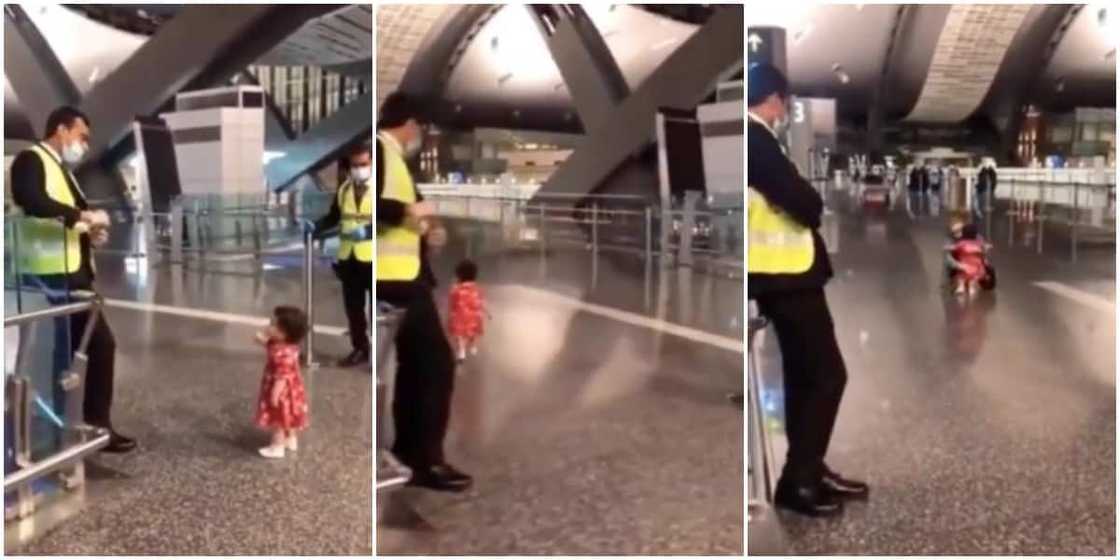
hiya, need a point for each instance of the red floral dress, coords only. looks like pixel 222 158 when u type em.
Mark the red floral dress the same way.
pixel 291 414
pixel 465 309
pixel 970 253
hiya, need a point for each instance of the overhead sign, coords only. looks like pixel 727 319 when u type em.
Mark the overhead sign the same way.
pixel 767 44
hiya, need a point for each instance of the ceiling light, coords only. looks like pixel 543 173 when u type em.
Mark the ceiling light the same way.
pixel 802 33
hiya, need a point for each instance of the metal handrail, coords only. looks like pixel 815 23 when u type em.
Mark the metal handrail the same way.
pixel 49 313
pixel 762 452
pixel 58 461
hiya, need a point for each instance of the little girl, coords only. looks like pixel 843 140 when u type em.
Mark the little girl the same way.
pixel 465 310
pixel 282 403
pixel 968 257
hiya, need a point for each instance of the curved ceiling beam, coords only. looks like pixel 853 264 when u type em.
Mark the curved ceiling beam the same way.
pixel 402 30
pixel 33 70
pixel 588 68
pixel 682 81
pixel 969 53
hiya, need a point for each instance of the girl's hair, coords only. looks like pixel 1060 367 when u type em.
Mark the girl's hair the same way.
pixel 970 231
pixel 292 322
pixel 466 271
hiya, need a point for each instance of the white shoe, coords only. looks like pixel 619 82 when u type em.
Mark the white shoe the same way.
pixel 474 350
pixel 272 452
pixel 292 444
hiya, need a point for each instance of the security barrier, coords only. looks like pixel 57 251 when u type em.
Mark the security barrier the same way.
pixel 689 234
pixel 45 437
pixel 390 472
pixel 760 454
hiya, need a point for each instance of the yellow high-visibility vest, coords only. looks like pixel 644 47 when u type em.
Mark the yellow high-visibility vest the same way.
pixel 776 244
pixel 355 231
pixel 398 248
pixel 46 246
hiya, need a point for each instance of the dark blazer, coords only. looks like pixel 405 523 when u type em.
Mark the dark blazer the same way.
pixel 986 179
pixel 777 179
pixel 919 181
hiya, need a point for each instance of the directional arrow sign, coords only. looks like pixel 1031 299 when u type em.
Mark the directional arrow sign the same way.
pixel 754 40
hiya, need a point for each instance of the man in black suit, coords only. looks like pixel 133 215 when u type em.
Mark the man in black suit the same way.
pixel 813 368
pixel 58 219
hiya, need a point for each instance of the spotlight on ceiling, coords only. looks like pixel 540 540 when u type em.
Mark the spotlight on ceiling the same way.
pixel 840 73
pixel 1060 85
pixel 803 32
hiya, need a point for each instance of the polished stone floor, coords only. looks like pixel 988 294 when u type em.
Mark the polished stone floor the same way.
pixel 983 427
pixel 186 389
pixel 587 434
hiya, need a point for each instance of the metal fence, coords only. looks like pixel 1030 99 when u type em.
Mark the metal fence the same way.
pixel 689 234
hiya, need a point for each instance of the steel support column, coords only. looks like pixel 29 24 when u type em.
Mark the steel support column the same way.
pixel 36 74
pixel 682 81
pixel 322 142
pixel 590 72
pixel 203 46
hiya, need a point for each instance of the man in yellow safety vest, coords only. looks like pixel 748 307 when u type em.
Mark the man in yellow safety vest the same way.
pixel 787 268
pixel 425 365
pixel 352 212
pixel 56 235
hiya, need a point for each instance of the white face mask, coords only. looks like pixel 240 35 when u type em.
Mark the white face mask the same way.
pixel 781 125
pixel 413 147
pixel 361 174
pixel 73 152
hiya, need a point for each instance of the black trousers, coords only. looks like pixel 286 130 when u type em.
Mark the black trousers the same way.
pixel 814 377
pixel 425 376
pixel 102 351
pixel 357 282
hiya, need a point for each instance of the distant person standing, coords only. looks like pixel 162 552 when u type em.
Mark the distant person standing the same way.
pixel 787 268
pixel 352 212
pixel 936 179
pixel 985 188
pixel 917 185
pixel 57 237
pixel 425 365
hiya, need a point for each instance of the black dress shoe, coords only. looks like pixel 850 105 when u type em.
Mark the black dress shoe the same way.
pixel 457 476
pixel 119 443
pixel 811 500
pixel 440 477
pixel 356 358
pixel 844 488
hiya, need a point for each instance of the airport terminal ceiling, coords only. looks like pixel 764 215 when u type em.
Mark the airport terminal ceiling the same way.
pixel 839 51
pixel 493 65
pixel 340 41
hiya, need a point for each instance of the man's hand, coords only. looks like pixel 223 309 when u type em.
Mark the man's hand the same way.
pixel 419 210
pixel 436 236
pixel 95 218
pixel 99 236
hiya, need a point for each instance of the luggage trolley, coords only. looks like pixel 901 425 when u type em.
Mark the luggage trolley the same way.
pixel 761 452
pixel 391 473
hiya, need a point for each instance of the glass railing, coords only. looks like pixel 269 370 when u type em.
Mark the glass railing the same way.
pixel 44 435
pixel 691 232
